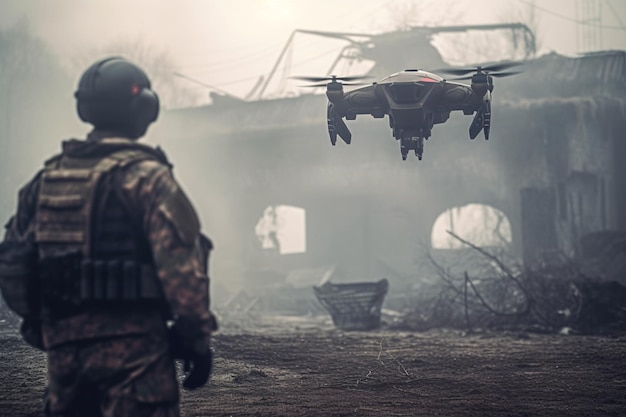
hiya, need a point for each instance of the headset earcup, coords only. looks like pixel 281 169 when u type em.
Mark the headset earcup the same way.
pixel 144 109
pixel 80 109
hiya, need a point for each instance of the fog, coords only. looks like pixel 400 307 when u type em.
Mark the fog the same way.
pixel 243 160
pixel 230 45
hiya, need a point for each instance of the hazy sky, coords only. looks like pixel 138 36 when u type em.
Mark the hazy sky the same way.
pixel 228 44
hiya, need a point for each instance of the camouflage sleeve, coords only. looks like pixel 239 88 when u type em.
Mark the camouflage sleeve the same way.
pixel 21 225
pixel 173 232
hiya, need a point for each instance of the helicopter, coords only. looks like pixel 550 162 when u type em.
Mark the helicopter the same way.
pixel 414 99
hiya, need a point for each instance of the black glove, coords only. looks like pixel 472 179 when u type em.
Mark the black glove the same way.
pixel 198 370
pixel 188 344
pixel 31 333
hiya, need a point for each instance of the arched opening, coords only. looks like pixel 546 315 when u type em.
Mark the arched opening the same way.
pixel 282 229
pixel 479 224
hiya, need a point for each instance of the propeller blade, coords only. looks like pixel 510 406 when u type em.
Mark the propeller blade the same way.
pixel 505 74
pixel 311 79
pixel 488 68
pixel 314 85
pixel 501 66
pixel 468 77
pixel 354 78
pixel 454 71
pixel 493 74
pixel 330 78
pixel 326 84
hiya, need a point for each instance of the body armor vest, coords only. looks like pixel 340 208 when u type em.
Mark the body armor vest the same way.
pixel 91 246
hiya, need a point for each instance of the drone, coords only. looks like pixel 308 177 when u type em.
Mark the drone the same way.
pixel 414 100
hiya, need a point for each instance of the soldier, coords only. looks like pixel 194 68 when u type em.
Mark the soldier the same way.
pixel 119 256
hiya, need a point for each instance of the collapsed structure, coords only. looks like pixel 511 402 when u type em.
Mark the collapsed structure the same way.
pixel 552 166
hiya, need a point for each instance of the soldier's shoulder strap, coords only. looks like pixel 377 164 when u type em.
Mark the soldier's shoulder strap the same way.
pixel 125 152
pixel 52 161
pixel 122 150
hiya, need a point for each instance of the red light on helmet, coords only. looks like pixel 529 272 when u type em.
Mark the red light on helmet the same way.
pixel 135 89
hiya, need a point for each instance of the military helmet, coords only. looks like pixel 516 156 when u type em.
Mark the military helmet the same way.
pixel 114 94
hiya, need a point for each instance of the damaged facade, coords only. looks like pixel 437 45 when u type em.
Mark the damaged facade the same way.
pixel 573 187
pixel 552 166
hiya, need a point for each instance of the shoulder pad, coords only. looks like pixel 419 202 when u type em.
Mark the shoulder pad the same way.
pixel 52 160
pixel 162 156
pixel 117 148
pixel 155 153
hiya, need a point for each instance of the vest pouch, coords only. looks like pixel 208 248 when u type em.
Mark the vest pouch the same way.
pixel 59 277
pixel 131 280
pixel 86 280
pixel 114 280
pixel 71 277
pixel 18 277
pixel 99 280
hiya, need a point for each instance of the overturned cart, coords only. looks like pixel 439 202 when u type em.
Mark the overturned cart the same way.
pixel 354 306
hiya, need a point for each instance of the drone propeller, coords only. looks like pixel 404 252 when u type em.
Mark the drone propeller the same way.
pixel 487 68
pixel 331 78
pixel 493 74
pixel 325 84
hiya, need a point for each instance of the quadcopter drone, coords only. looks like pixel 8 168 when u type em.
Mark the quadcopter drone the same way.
pixel 414 100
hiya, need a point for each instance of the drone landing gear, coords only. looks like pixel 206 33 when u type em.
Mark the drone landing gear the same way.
pixel 412 143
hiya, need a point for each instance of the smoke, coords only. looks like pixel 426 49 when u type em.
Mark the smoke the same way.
pixel 36 108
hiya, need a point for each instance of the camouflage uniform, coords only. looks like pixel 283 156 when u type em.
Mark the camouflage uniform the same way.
pixel 121 356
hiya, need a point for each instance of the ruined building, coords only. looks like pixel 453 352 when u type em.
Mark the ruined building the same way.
pixel 553 166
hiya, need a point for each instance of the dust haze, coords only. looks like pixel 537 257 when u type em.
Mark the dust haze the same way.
pixel 522 233
pixel 237 158
pixel 232 158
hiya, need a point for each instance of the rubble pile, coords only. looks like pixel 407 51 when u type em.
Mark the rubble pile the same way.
pixel 552 295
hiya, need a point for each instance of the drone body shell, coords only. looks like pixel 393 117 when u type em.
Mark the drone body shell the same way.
pixel 414 101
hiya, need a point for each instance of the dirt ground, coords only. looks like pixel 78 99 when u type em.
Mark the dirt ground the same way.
pixel 294 366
